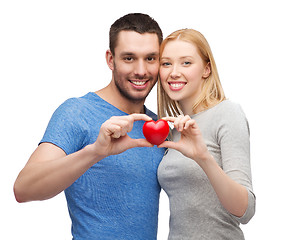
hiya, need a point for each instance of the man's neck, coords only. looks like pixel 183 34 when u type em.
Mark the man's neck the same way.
pixel 113 96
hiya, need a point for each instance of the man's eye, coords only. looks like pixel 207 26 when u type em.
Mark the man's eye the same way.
pixel 150 59
pixel 128 59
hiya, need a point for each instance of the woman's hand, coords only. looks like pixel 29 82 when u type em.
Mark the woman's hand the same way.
pixel 233 196
pixel 191 142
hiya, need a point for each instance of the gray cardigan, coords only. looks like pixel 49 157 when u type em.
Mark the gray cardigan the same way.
pixel 195 211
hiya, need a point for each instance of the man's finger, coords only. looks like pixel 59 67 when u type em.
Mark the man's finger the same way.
pixel 139 143
pixel 140 116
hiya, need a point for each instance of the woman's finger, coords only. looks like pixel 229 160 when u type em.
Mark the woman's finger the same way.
pixel 169 144
pixel 190 123
pixel 169 119
pixel 180 122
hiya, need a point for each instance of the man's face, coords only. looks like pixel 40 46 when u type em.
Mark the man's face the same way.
pixel 135 64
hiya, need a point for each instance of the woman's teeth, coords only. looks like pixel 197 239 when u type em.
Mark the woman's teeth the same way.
pixel 176 85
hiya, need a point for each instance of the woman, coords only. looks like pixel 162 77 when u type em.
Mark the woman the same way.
pixel 206 171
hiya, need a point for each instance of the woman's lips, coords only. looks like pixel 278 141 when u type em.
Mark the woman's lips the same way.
pixel 176 86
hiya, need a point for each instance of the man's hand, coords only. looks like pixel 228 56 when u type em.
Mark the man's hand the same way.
pixel 113 138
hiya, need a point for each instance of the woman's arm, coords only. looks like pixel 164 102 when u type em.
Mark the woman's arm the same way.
pixel 232 195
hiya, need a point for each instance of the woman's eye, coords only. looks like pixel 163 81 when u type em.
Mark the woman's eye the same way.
pixel 165 64
pixel 187 63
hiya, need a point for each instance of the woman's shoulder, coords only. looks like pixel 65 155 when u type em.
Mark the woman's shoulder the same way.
pixel 228 107
pixel 226 112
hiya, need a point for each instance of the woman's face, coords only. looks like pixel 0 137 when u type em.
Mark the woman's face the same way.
pixel 182 73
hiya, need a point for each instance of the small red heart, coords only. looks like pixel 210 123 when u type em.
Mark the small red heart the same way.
pixel 156 132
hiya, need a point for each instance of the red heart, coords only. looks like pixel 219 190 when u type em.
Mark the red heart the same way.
pixel 156 132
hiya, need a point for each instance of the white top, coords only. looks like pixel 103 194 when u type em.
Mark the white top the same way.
pixel 195 210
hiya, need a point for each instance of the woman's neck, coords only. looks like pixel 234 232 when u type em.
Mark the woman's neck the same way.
pixel 187 108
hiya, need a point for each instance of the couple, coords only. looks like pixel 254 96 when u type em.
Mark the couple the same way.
pixel 94 149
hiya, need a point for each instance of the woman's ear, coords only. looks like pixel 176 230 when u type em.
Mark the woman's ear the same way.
pixel 207 70
pixel 110 59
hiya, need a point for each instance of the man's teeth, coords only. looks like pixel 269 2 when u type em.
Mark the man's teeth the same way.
pixel 138 83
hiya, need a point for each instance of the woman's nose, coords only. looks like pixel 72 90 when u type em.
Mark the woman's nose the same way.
pixel 175 73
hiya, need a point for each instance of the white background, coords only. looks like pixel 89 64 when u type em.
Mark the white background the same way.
pixel 53 50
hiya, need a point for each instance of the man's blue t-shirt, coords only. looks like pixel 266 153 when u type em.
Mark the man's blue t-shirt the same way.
pixel 118 197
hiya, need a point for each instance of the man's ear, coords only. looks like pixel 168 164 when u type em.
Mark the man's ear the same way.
pixel 110 59
pixel 207 70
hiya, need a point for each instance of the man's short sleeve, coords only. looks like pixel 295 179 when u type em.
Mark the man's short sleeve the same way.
pixel 64 129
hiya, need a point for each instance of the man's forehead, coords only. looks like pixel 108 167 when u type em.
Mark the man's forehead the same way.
pixel 132 42
pixel 133 34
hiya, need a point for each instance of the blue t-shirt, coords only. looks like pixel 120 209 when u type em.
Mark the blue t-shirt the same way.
pixel 118 197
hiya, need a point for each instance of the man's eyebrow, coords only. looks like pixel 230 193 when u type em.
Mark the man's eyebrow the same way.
pixel 127 54
pixel 133 54
pixel 153 54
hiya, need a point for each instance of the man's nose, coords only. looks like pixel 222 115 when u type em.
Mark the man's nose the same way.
pixel 141 68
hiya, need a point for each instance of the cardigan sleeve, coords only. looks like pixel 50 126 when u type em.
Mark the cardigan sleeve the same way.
pixel 234 139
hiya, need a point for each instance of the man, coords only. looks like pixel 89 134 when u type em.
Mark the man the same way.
pixel 94 149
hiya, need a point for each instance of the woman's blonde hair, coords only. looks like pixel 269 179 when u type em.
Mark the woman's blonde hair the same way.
pixel 212 92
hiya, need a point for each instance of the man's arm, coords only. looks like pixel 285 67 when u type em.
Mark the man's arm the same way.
pixel 49 170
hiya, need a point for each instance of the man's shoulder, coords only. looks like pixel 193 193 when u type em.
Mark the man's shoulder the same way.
pixel 79 103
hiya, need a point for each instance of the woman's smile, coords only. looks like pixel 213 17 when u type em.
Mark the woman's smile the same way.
pixel 176 86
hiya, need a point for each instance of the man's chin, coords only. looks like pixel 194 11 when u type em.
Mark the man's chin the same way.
pixel 134 95
pixel 135 98
pixel 138 99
